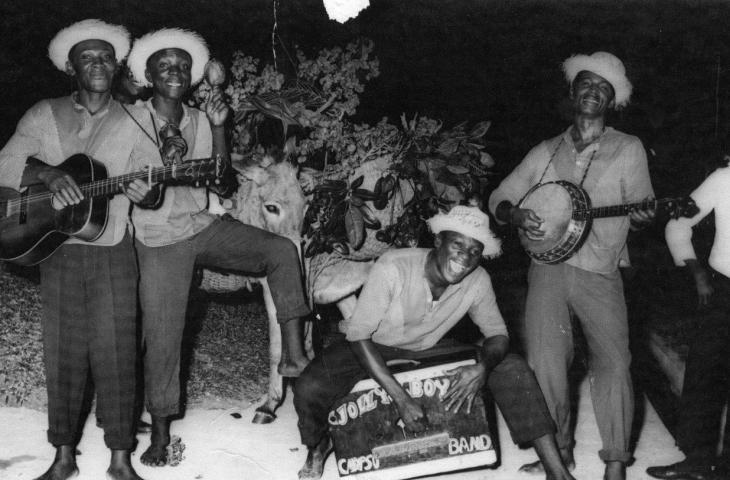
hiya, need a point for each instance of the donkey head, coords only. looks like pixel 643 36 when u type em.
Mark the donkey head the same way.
pixel 270 197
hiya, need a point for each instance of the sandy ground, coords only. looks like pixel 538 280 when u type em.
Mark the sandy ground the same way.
pixel 222 447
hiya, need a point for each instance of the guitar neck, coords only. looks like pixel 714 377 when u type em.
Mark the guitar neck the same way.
pixel 190 170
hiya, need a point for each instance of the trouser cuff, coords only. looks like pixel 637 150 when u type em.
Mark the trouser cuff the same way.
pixel 116 443
pixel 614 455
pixel 536 429
pixel 167 411
pixel 59 439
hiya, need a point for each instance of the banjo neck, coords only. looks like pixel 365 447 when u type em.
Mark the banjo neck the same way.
pixel 621 210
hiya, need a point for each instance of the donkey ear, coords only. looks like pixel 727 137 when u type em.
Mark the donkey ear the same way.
pixel 290 147
pixel 238 162
pixel 255 173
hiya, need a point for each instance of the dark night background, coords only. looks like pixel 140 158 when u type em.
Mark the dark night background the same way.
pixel 459 60
pixel 449 59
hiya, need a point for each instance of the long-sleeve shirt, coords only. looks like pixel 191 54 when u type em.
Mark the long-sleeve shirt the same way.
pixel 396 307
pixel 184 209
pixel 711 195
pixel 53 130
pixel 617 174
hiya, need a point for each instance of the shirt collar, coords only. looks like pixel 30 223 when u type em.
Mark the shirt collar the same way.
pixel 595 145
pixel 183 122
pixel 82 109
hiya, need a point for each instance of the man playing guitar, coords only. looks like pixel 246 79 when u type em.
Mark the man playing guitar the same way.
pixel 88 289
pixel 611 167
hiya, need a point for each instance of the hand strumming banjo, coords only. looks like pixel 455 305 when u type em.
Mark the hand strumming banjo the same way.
pixel 567 215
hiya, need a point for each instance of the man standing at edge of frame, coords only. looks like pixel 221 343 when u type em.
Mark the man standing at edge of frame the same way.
pixel 88 289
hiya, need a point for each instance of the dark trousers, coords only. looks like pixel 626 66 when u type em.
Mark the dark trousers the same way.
pixel 89 296
pixel 332 375
pixel 165 276
pixel 707 376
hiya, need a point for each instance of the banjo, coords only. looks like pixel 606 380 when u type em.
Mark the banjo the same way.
pixel 567 215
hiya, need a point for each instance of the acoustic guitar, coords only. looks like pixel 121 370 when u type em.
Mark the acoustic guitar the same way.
pixel 567 215
pixel 31 229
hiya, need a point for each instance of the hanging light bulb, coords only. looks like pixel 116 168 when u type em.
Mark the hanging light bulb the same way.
pixel 343 10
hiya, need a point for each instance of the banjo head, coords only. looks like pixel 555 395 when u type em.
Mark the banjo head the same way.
pixel 554 203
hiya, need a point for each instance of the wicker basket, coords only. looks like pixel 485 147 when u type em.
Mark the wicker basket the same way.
pixel 221 282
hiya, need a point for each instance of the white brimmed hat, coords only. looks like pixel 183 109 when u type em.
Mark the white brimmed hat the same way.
pixel 607 66
pixel 145 46
pixel 469 221
pixel 91 29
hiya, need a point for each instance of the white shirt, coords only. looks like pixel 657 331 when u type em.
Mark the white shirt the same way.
pixel 712 194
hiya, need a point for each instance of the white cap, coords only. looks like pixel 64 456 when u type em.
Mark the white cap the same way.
pixel 147 45
pixel 469 221
pixel 91 29
pixel 607 66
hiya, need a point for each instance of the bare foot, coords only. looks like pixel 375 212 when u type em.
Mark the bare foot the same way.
pixel 60 471
pixel 122 474
pixel 120 467
pixel 63 466
pixel 292 368
pixel 314 465
pixel 536 468
pixel 156 453
pixel 615 471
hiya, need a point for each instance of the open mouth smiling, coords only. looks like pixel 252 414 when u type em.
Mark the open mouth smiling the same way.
pixel 456 267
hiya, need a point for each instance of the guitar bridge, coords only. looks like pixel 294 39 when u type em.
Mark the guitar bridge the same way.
pixel 23 213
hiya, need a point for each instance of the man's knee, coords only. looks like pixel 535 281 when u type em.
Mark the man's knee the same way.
pixel 512 364
pixel 281 251
pixel 309 384
pixel 511 373
pixel 615 366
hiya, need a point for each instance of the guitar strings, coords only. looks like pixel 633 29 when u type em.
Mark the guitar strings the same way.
pixel 105 183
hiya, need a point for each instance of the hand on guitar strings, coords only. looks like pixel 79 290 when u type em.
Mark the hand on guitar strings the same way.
pixel 640 219
pixel 137 190
pixel 64 188
pixel 528 221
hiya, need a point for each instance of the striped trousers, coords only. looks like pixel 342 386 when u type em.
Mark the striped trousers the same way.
pixel 89 296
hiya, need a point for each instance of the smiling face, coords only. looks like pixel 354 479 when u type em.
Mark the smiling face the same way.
pixel 591 94
pixel 455 256
pixel 94 64
pixel 169 72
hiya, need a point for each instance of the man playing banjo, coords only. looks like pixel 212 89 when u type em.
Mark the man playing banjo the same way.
pixel 611 168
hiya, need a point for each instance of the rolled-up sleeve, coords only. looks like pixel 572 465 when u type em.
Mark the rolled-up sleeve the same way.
pixel 484 312
pixel 372 304
pixel 25 142
pixel 678 232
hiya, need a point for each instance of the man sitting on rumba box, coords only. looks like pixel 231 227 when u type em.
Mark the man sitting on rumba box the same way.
pixel 410 300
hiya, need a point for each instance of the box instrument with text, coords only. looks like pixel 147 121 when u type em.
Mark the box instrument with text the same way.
pixel 370 441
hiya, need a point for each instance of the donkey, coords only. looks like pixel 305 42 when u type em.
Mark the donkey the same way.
pixel 269 197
